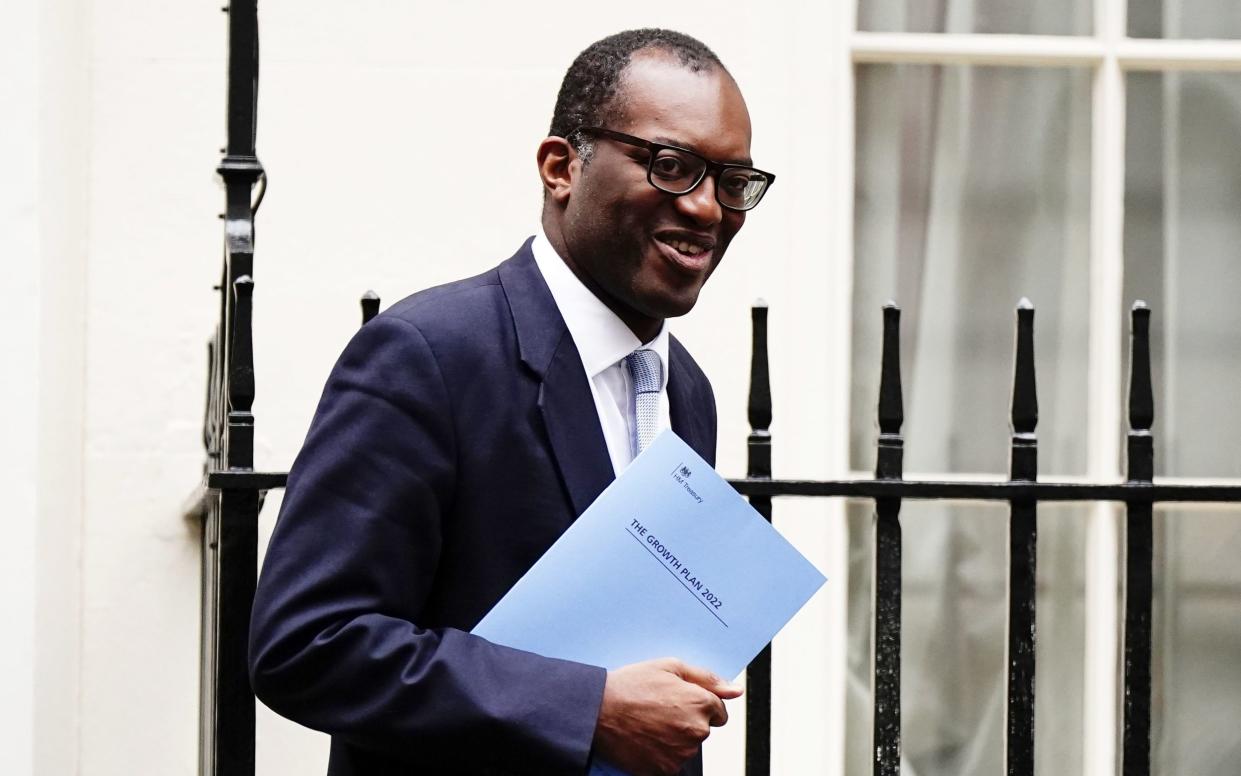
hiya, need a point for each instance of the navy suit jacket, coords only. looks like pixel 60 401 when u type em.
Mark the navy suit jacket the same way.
pixel 455 441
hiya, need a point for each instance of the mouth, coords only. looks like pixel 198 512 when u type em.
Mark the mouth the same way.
pixel 687 251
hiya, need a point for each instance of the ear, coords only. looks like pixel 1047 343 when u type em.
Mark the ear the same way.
pixel 559 167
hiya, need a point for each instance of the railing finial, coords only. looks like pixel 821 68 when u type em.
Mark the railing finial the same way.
pixel 370 306
pixel 758 411
pixel 891 400
pixel 1025 390
pixel 1141 395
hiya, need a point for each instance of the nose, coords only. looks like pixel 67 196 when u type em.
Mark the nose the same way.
pixel 701 204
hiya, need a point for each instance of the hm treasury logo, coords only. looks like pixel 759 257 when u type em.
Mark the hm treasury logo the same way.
pixel 682 474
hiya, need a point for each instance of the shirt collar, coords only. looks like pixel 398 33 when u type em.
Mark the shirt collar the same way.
pixel 602 338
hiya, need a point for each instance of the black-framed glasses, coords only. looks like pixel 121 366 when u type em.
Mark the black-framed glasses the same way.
pixel 678 171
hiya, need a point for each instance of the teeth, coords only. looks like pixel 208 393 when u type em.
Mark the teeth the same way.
pixel 685 247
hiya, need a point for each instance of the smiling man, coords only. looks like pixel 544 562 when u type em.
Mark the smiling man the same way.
pixel 464 429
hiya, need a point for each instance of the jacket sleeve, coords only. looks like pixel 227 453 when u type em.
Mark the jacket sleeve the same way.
pixel 334 640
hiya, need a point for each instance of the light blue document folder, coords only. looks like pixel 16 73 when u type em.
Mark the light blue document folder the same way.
pixel 668 562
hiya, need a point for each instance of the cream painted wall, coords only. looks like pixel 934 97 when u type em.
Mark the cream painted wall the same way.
pixel 64 160
pixel 157 81
pixel 399 140
pixel 45 133
pixel 19 352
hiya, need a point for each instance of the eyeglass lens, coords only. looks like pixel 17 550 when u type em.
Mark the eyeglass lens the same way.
pixel 677 172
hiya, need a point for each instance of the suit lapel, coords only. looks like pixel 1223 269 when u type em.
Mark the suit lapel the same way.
pixel 573 427
pixel 565 400
pixel 692 414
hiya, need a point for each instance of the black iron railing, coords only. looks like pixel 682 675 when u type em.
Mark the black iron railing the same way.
pixel 231 494
pixel 1023 492
pixel 228 508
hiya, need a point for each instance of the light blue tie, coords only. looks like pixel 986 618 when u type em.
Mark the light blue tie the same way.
pixel 646 374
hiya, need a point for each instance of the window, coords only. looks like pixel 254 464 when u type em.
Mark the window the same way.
pixel 1083 156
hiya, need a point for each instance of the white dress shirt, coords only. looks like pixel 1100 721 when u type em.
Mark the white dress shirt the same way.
pixel 603 340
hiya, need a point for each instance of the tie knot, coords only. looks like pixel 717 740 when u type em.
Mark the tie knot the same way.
pixel 645 370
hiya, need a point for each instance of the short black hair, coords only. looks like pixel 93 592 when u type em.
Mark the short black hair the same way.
pixel 591 83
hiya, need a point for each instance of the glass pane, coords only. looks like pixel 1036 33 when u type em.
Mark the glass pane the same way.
pixel 972 191
pixel 1196 666
pixel 954 616
pixel 1182 232
pixel 1184 19
pixel 1050 17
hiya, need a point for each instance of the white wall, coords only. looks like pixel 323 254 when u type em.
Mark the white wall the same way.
pixel 63 158
pixel 44 131
pixel 399 139
pixel 19 353
pixel 157 81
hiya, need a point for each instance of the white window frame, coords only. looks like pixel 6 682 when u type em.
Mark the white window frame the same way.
pixel 1110 54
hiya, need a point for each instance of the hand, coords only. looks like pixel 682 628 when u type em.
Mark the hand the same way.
pixel 656 714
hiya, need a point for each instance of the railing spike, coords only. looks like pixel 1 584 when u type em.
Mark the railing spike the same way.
pixel 1025 392
pixel 1141 395
pixel 759 410
pixel 891 400
pixel 370 306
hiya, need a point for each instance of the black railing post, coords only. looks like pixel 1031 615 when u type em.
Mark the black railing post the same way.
pixel 758 447
pixel 230 519
pixel 889 465
pixel 1139 553
pixel 1022 554
pixel 233 525
pixel 237 554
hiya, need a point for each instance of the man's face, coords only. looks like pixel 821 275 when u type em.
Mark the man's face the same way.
pixel 644 252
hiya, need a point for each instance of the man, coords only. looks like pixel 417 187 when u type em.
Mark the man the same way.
pixel 464 429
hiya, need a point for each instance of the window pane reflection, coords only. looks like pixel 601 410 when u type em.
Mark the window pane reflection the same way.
pixel 1184 19
pixel 1182 232
pixel 1196 666
pixel 1050 17
pixel 972 190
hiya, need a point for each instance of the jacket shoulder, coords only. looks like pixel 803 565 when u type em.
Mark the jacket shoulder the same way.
pixel 449 301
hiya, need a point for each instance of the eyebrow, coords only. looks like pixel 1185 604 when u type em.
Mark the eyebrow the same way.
pixel 672 141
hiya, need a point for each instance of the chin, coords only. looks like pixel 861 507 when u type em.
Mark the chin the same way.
pixel 674 307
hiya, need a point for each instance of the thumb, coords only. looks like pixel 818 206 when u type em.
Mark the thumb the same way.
pixel 709 681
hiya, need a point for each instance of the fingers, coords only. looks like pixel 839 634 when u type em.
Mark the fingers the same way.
pixel 718 689
pixel 706 680
pixel 656 714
